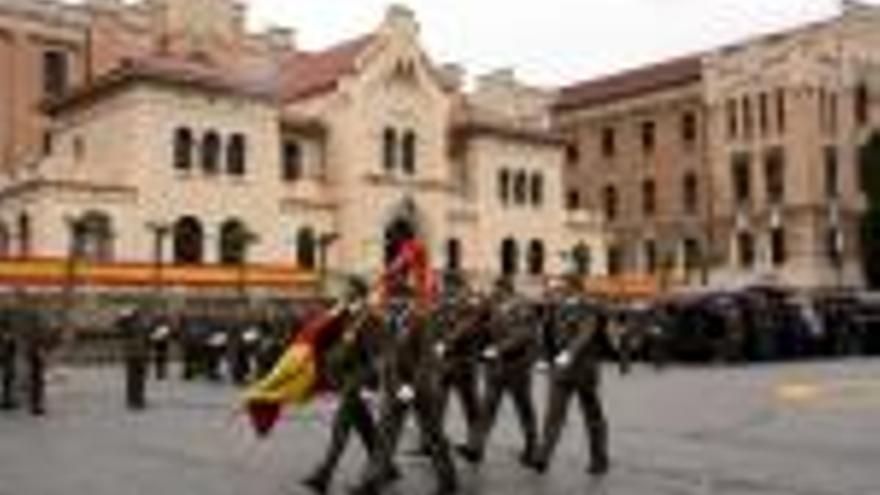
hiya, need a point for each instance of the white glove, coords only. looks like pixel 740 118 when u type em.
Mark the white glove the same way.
pixel 490 353
pixel 440 349
pixel 406 393
pixel 563 360
pixel 542 366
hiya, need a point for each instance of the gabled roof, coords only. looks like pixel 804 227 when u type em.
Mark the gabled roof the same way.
pixel 170 70
pixel 306 74
pixel 632 83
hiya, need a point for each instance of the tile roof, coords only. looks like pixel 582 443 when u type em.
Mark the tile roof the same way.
pixel 631 83
pixel 306 74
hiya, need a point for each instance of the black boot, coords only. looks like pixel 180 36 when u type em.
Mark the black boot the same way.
pixel 318 482
pixel 471 454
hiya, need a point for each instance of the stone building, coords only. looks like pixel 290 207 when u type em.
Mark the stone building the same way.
pixel 187 139
pixel 735 166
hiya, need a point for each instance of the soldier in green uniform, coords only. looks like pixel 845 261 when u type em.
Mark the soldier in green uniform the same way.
pixel 575 372
pixel 8 357
pixel 351 371
pixel 134 330
pixel 509 356
pixel 409 375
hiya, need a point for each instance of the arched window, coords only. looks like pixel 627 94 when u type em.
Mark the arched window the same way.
pixel 233 242
pixel 649 197
pixel 520 185
pixel 582 259
pixel 24 234
pixel 509 257
pixel 291 161
pixel 183 148
pixel 306 249
pixel 5 241
pixel 211 153
pixel 188 241
pixel 389 149
pixel 609 200
pixel 691 193
pixel 862 104
pixel 93 237
pixel 453 255
pixel 536 257
pixel 537 189
pixel 504 186
pixel 236 155
pixel 409 152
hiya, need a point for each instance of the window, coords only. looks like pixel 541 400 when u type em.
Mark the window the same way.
pixel 93 237
pixel 648 137
pixel 389 149
pixel 453 255
pixel 650 253
pixel 774 170
pixel 5 241
pixel 692 254
pixel 79 148
pixel 236 155
pixel 509 257
pixel 183 148
pixel 291 162
pixel 780 110
pixel 689 128
pixel 832 180
pixel 234 239
pixel 537 189
pixel 615 260
pixel 520 185
pixel 832 113
pixel 306 248
pixel 862 104
pixel 536 257
pixel 582 258
pixel 609 146
pixel 609 200
pixel 732 121
pixel 24 234
pixel 777 247
pixel 188 241
pixel 573 199
pixel 211 153
pixel 691 193
pixel 48 142
pixel 649 197
pixel 746 248
pixel 504 186
pixel 408 153
pixel 742 178
pixel 55 73
pixel 763 117
pixel 747 117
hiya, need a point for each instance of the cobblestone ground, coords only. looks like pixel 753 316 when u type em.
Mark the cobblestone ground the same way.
pixel 800 429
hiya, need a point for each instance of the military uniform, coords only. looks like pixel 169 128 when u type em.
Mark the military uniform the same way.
pixel 512 351
pixel 8 357
pixel 576 373
pixel 409 377
pixel 134 330
pixel 161 343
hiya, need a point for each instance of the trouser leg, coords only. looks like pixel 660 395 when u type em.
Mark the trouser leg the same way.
pixel 521 393
pixel 466 390
pixel 596 426
pixel 438 447
pixel 491 404
pixel 557 411
pixel 392 416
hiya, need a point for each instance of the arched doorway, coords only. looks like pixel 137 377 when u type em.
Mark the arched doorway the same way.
pixel 93 237
pixel 188 241
pixel 233 242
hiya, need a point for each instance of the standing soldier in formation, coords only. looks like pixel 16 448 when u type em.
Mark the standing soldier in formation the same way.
pixel 31 324
pixel 161 340
pixel 575 372
pixel 409 382
pixel 509 357
pixel 8 358
pixel 135 334
pixel 351 371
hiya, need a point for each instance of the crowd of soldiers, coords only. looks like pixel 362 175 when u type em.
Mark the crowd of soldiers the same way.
pixel 479 348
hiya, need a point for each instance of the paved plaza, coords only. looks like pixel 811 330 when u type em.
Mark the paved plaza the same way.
pixel 796 429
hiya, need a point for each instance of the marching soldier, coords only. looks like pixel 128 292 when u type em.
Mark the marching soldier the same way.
pixel 409 375
pixel 509 358
pixel 575 372
pixel 351 371
pixel 161 340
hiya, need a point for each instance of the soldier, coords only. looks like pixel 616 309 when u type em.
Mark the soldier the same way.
pixel 132 326
pixel 575 372
pixel 512 351
pixel 409 383
pixel 351 370
pixel 8 358
pixel 161 342
pixel 30 324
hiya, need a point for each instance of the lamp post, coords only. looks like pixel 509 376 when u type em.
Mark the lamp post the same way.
pixel 160 231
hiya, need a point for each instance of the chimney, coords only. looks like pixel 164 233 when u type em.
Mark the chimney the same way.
pixel 280 39
pixel 452 75
pixel 401 18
